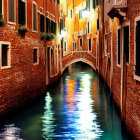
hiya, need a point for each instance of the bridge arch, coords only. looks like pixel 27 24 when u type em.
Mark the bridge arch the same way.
pixel 78 60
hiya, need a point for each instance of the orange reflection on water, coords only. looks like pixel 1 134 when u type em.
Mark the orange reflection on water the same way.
pixel 70 95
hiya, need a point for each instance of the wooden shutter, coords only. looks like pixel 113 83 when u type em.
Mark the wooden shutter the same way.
pixel 11 12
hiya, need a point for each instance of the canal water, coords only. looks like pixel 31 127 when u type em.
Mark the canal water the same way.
pixel 76 108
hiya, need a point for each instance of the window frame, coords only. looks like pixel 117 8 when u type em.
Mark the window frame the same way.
pixel 10 22
pixel 75 48
pixel 65 47
pixel 119 28
pixel 36 63
pixel 36 17
pixel 88 45
pixel 71 13
pixel 136 77
pixel 44 22
pixel 89 27
pixel 9 55
pixel 25 1
pixel 79 42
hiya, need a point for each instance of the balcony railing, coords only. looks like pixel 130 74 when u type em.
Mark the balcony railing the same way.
pixel 117 8
pixel 122 3
pixel 82 32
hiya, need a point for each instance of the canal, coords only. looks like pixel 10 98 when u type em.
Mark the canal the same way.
pixel 76 108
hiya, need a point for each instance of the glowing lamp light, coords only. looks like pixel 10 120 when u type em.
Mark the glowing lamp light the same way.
pixel 85 14
pixel 63 33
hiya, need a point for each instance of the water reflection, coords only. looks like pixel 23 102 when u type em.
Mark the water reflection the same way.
pixel 76 108
pixel 10 132
pixel 79 118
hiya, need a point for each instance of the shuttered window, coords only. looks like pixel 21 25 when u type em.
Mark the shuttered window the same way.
pixel 88 5
pixel 119 47
pixel 11 10
pixel 41 23
pixel 72 13
pixel 61 25
pixel 0 6
pixel 126 43
pixel 66 47
pixel 34 17
pixel 89 27
pixel 94 4
pixel 35 55
pixel 52 26
pixel 21 12
pixel 80 42
pixel 89 44
pixel 137 67
pixel 75 45
pixel 5 51
pixel 58 1
pixel 80 14
pixel 48 25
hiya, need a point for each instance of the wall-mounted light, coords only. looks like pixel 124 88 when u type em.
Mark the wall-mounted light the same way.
pixel 63 33
pixel 85 14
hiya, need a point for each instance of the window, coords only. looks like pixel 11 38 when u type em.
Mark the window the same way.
pixel 88 5
pixel 94 4
pixel 35 55
pixel 137 49
pixel 75 45
pixel 61 25
pixel 126 43
pixel 66 46
pixel 53 27
pixel 21 12
pixel 34 17
pixel 119 47
pixel 89 45
pixel 48 25
pixel 41 23
pixel 1 6
pixel 80 14
pixel 5 54
pixel 58 1
pixel 11 10
pixel 72 13
pixel 89 27
pixel 81 42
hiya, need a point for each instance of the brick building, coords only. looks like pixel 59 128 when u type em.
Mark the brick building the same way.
pixel 102 33
pixel 24 71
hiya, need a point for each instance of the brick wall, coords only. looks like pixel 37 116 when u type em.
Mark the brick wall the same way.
pixel 24 80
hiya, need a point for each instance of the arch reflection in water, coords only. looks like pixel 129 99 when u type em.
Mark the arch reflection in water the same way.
pixel 79 118
pixel 10 132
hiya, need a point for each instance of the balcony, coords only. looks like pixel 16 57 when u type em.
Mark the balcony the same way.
pixel 117 8
pixel 82 33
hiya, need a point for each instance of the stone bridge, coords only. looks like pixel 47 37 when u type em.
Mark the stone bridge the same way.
pixel 78 56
